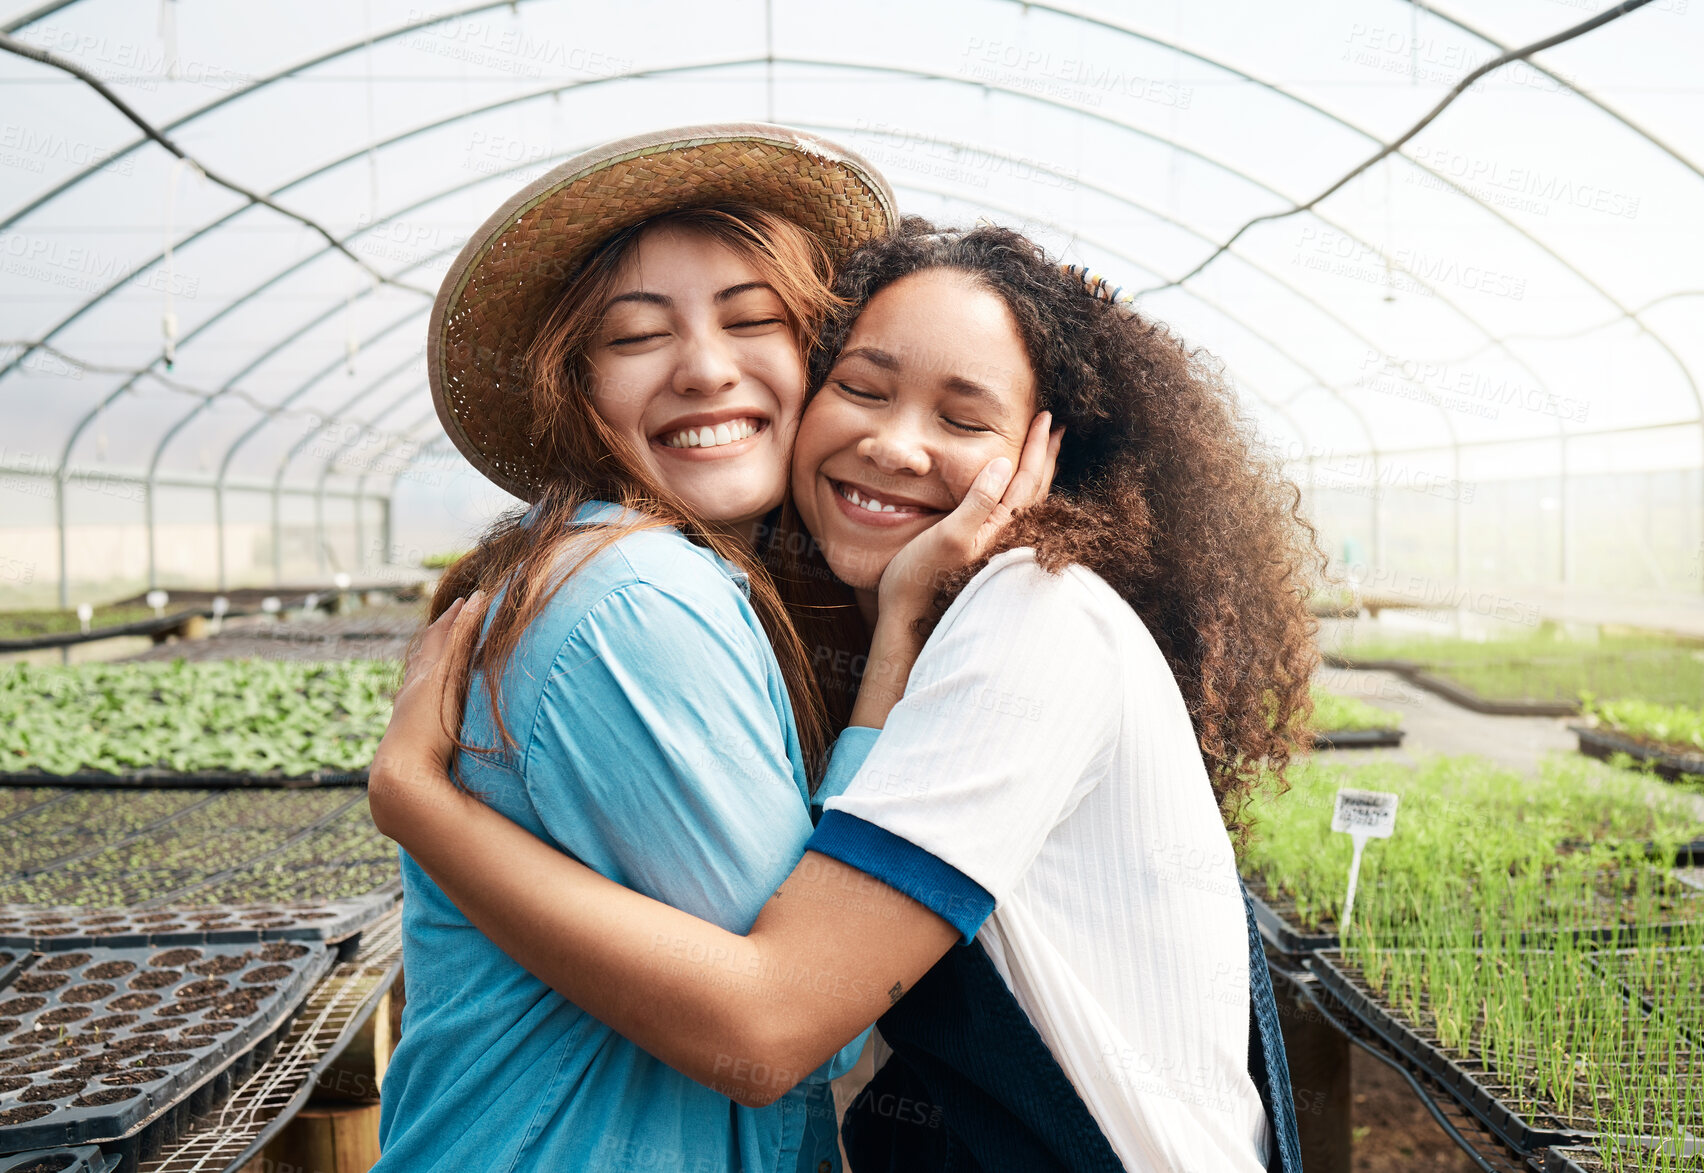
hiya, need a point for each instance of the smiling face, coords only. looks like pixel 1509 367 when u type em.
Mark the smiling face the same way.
pixel 696 367
pixel 933 383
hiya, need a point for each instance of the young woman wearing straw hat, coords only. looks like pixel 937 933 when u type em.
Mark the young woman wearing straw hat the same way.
pixel 1107 682
pixel 648 705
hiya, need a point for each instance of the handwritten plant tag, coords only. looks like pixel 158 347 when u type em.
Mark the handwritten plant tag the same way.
pixel 1362 815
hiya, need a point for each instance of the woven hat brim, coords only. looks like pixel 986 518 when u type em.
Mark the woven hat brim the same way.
pixel 511 270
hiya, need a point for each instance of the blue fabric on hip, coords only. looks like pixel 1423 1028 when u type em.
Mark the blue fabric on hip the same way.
pixel 972 1087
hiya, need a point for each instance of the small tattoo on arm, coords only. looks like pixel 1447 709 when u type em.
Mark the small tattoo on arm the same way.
pixel 895 994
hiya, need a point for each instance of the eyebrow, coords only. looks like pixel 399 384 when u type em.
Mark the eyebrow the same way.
pixel 657 299
pixel 957 384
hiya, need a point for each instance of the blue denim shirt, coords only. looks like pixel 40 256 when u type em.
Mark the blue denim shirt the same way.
pixel 654 742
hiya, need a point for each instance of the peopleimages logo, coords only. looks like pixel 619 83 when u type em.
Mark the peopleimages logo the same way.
pixel 1520 187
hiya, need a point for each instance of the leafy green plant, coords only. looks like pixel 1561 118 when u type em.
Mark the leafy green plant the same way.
pixel 27 624
pixel 1334 714
pixel 1675 727
pixel 1545 665
pixel 242 716
pixel 1466 929
pixel 1468 828
pixel 442 560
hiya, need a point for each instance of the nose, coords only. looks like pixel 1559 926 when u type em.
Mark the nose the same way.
pixel 895 447
pixel 706 365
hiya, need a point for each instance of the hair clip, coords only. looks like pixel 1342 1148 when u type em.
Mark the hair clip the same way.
pixel 1097 286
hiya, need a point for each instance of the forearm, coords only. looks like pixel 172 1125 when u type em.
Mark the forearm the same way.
pixel 746 1016
pixel 894 648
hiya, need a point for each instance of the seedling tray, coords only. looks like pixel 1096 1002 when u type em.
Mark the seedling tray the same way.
pixel 208 852
pixel 81 1159
pixel 1515 1130
pixel 1526 1128
pixel 1605 743
pixel 1275 915
pixel 1588 1160
pixel 58 930
pixel 132 1033
pixel 1357 738
pixel 1272 915
pixel 167 780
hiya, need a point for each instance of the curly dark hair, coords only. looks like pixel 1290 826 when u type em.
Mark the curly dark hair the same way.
pixel 1161 489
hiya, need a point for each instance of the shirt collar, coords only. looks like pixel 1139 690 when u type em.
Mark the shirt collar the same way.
pixel 610 513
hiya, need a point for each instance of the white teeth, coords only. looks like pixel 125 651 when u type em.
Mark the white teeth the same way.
pixel 868 504
pixel 713 437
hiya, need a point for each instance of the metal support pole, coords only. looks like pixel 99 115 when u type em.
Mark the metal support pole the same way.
pixel 1562 510
pixel 64 554
pixel 360 524
pixel 148 495
pixel 277 538
pixel 319 526
pixel 1460 531
pixel 219 532
pixel 1378 516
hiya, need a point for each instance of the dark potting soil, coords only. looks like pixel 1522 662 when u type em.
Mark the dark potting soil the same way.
pixel 47 1164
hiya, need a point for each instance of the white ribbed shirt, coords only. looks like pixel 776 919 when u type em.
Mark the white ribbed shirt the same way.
pixel 1043 750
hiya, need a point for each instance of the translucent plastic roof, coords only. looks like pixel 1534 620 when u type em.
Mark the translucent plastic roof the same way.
pixel 1517 289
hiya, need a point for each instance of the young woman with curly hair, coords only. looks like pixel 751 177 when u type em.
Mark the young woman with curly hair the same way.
pixel 1103 683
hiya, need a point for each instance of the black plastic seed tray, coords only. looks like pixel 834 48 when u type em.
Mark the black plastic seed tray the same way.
pixel 1357 738
pixel 1279 931
pixel 80 1159
pixel 11 963
pixel 171 780
pixel 111 1046
pixel 56 930
pixel 1514 1130
pixel 1606 743
pixel 1586 1160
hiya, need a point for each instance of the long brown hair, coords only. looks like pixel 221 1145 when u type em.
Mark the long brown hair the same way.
pixel 522 552
pixel 1160 489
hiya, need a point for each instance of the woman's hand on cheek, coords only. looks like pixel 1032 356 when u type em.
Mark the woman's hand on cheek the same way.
pixel 411 768
pixel 910 581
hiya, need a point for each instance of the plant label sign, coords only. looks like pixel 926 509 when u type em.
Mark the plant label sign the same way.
pixel 1362 815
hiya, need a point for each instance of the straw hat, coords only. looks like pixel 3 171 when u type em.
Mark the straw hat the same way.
pixel 512 269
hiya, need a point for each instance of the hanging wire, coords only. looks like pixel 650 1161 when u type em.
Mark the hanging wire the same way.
pixel 1395 145
pixel 13 45
pixel 85 366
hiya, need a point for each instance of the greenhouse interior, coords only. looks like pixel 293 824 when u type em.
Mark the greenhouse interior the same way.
pixel 1427 280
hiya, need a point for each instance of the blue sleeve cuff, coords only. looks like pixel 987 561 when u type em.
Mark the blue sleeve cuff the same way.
pixel 850 749
pixel 904 867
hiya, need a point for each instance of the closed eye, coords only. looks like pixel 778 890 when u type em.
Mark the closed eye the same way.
pixel 857 394
pixel 966 427
pixel 631 339
pixel 759 322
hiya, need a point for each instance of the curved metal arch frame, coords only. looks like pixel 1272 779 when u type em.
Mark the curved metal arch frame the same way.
pixel 1373 451
pixel 1169 47
pixel 220 482
pixel 551 91
pixel 585 83
pixel 928 76
pixel 1460 189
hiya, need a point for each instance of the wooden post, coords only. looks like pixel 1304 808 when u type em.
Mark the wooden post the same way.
pixel 1320 1081
pixel 338 1131
pixel 328 1139
pixel 355 1075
